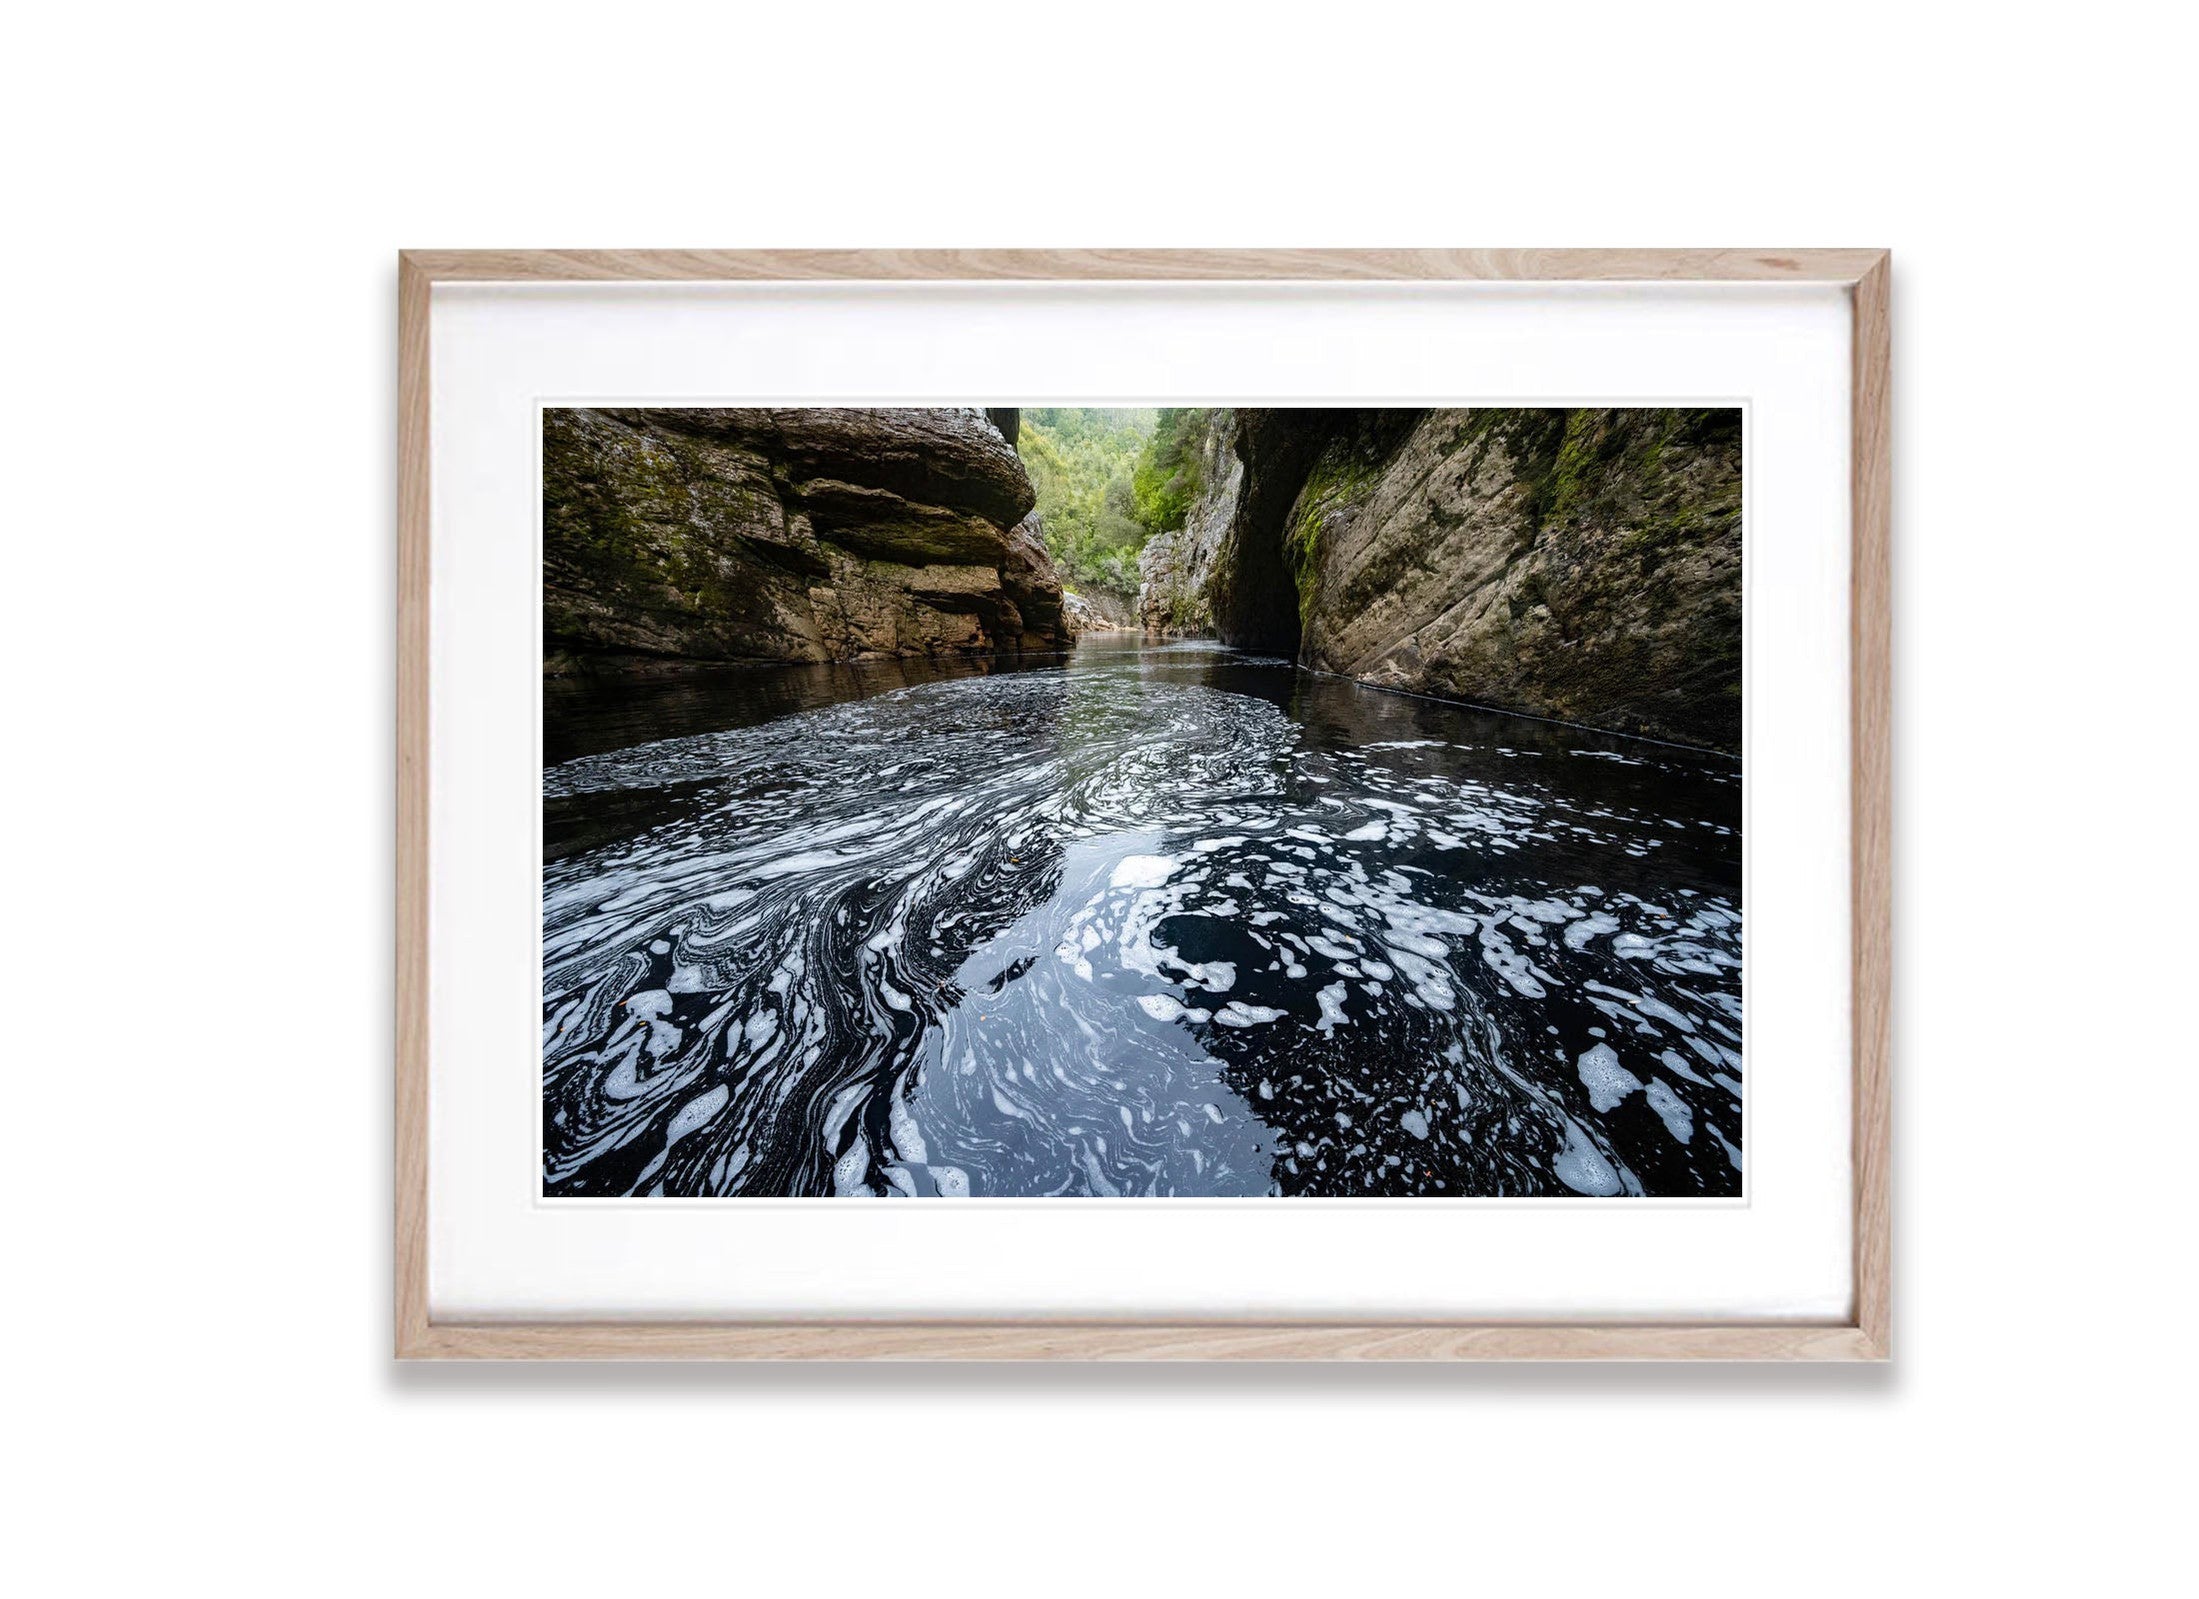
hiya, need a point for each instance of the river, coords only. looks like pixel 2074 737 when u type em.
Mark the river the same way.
pixel 1151 919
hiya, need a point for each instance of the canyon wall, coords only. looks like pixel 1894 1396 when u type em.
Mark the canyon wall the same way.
pixel 1176 568
pixel 794 534
pixel 1583 564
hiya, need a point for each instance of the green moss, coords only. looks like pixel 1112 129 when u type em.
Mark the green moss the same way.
pixel 1342 478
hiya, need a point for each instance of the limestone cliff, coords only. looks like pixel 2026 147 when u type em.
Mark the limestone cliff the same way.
pixel 794 534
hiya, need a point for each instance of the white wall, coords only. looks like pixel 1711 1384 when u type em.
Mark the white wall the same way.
pixel 197 618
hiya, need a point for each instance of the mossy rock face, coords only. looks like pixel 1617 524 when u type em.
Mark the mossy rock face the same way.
pixel 1582 564
pixel 787 534
pixel 1176 569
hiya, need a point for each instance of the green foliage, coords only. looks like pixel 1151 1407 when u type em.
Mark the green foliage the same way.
pixel 1083 463
pixel 1167 477
pixel 1108 480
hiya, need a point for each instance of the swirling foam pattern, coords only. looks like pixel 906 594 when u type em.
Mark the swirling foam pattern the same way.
pixel 1161 922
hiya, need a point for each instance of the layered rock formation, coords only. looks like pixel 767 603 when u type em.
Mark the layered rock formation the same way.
pixel 1581 564
pixel 796 534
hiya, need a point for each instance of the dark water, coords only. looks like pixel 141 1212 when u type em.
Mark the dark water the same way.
pixel 1156 920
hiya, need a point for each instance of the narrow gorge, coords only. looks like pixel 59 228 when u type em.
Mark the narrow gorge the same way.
pixel 963 803
pixel 1577 564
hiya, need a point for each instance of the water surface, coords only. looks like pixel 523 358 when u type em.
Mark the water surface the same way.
pixel 1147 920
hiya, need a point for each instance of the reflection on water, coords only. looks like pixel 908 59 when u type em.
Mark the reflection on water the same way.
pixel 1156 920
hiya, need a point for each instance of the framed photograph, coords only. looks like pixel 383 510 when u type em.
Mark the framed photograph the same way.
pixel 1142 804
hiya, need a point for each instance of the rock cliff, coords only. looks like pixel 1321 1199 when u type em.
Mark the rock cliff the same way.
pixel 797 534
pixel 1098 611
pixel 1580 564
pixel 1176 568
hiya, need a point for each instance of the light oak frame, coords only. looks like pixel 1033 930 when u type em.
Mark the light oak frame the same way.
pixel 1862 1335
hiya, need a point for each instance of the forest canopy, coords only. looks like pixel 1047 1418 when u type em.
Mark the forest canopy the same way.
pixel 1107 480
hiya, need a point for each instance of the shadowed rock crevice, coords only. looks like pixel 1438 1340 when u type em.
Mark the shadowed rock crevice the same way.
pixel 1254 593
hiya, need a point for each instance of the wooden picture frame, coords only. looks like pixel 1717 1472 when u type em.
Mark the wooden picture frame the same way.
pixel 1862 1335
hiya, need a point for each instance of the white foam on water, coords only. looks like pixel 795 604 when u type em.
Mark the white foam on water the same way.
pixel 1508 963
pixel 1677 1064
pixel 697 1112
pixel 1671 1109
pixel 1577 935
pixel 1414 1122
pixel 1733 1150
pixel 1238 1014
pixel 1654 1006
pixel 1605 1079
pixel 808 861
pixel 1332 1007
pixel 1419 943
pixel 1582 1167
pixel 908 1138
pixel 1431 983
pixel 1147 795
pixel 1142 871
pixel 848 1170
